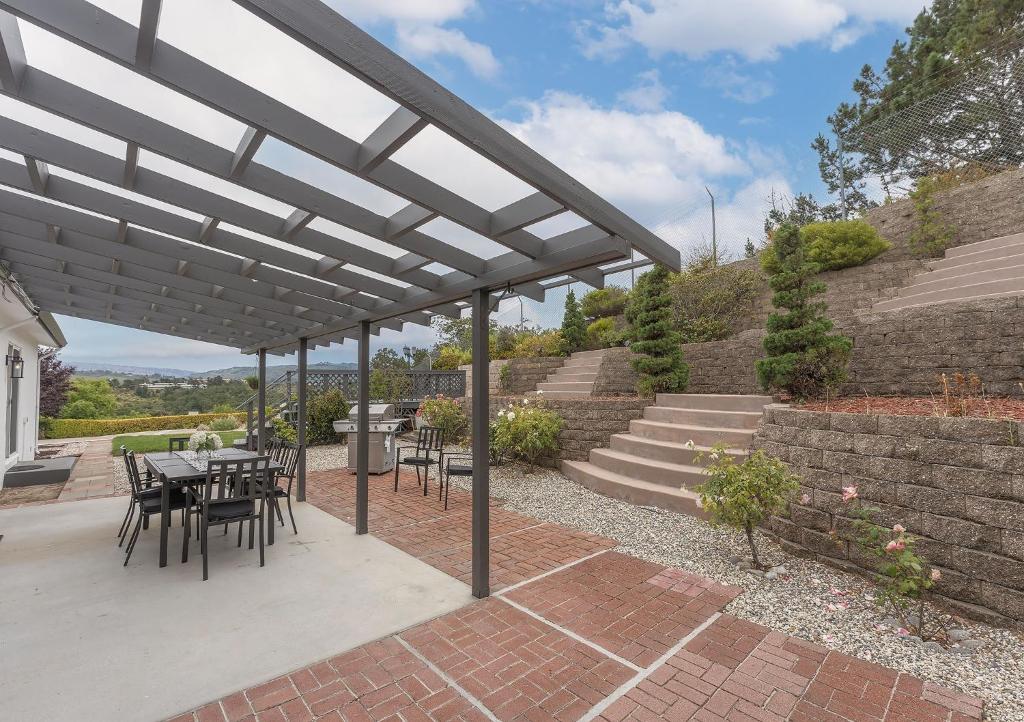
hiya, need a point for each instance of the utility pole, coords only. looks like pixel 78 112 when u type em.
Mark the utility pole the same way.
pixel 714 230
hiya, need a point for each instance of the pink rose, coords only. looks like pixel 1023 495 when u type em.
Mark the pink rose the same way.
pixel 891 546
pixel 849 493
pixel 900 545
pixel 898 529
pixel 936 575
pixel 805 499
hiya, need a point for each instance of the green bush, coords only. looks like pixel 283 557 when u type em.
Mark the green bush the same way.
pixel 803 359
pixel 932 235
pixel 69 428
pixel 743 495
pixel 604 302
pixel 574 328
pixel 709 302
pixel 447 414
pixel 537 345
pixel 90 399
pixel 224 423
pixel 80 409
pixel 449 358
pixel 841 244
pixel 607 332
pixel 658 355
pixel 324 409
pixel 526 432
pixel 285 431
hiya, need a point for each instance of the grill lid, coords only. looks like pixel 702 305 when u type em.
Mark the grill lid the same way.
pixel 378 412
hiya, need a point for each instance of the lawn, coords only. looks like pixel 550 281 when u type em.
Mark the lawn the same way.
pixel 148 443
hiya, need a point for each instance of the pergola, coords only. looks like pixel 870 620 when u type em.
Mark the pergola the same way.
pixel 187 237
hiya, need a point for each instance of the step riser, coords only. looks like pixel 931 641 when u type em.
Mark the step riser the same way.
pixel 713 402
pixel 1016 239
pixel 593 355
pixel 581 387
pixel 993 264
pixel 928 284
pixel 734 439
pixel 562 395
pixel 571 378
pixel 585 362
pixel 655 450
pixel 644 497
pixel 697 417
pixel 639 468
pixel 994 288
pixel 974 257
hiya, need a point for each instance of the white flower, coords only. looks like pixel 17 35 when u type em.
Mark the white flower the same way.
pixel 690 445
pixel 511 415
pixel 525 401
pixel 714 455
pixel 540 391
pixel 501 413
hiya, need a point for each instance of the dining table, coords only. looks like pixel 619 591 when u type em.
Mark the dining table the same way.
pixel 177 468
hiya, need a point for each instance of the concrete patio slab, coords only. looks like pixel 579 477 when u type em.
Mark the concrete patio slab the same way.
pixel 85 639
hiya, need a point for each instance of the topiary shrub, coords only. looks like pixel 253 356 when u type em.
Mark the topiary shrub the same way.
pixel 803 359
pixel 224 423
pixel 324 409
pixel 606 333
pixel 574 326
pixel 604 302
pixel 658 355
pixel 841 244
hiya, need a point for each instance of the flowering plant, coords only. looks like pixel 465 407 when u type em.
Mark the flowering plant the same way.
pixel 445 413
pixel 526 432
pixel 204 440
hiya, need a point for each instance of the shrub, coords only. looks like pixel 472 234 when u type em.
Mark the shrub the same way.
pixel 803 359
pixel 743 495
pixel 526 432
pixel 573 325
pixel 604 302
pixel 224 423
pixel 535 345
pixel 324 409
pixel 285 431
pixel 96 392
pixel 69 428
pixel 932 235
pixel 708 302
pixel 449 358
pixel 253 382
pixel 447 414
pixel 80 409
pixel 659 357
pixel 607 332
pixel 505 379
pixel 841 244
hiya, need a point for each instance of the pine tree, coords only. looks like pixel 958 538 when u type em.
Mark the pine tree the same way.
pixel 659 354
pixel 803 358
pixel 574 326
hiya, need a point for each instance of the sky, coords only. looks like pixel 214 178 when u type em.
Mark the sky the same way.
pixel 647 102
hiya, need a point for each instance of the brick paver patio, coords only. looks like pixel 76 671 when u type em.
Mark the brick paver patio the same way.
pixel 574 631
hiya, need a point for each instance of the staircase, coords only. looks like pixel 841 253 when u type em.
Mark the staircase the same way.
pixel 984 269
pixel 653 464
pixel 575 379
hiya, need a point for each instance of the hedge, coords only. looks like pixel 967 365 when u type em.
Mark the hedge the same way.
pixel 71 428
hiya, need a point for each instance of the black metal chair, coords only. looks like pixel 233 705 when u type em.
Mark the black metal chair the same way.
pixel 450 470
pixel 229 496
pixel 177 443
pixel 146 481
pixel 429 441
pixel 148 503
pixel 287 455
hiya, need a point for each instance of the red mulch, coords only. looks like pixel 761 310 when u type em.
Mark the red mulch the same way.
pixel 988 408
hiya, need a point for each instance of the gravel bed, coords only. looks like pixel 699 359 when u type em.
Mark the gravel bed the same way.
pixel 810 600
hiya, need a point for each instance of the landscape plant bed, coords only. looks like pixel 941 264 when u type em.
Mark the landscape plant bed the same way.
pixel 982 408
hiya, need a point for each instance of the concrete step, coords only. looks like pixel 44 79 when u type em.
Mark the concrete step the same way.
pixel 933 282
pixel 708 402
pixel 560 395
pixel 988 264
pixel 668 451
pixel 1011 287
pixel 563 375
pixel 577 386
pixel 699 435
pixel 585 363
pixel 665 473
pixel 634 491
pixel 703 417
pixel 593 355
pixel 1016 239
pixel 974 256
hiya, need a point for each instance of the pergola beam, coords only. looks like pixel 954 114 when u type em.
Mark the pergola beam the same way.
pixel 396 130
pixel 250 143
pixel 149 21
pixel 12 55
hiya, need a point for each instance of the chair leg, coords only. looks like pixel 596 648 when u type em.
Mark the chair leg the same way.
pixel 397 467
pixel 261 536
pixel 127 523
pixel 447 488
pixel 251 529
pixel 186 537
pixel 290 514
pixel 277 508
pixel 124 522
pixel 135 536
pixel 241 526
pixel 206 550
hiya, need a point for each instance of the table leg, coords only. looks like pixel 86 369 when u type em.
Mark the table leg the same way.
pixel 273 519
pixel 165 520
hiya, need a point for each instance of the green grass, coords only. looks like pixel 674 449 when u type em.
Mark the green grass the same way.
pixel 148 443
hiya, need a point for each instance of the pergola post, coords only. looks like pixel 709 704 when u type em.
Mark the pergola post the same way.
pixel 261 401
pixel 300 494
pixel 481 453
pixel 363 432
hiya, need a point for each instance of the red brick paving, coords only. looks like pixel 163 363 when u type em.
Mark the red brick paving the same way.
pixel 524 668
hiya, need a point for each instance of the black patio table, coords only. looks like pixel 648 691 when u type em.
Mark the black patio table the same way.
pixel 180 472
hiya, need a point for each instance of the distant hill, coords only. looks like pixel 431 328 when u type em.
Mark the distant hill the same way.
pixel 240 372
pixel 87 368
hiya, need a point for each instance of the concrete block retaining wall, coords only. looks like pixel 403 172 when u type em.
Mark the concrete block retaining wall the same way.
pixel 616 377
pixel 957 484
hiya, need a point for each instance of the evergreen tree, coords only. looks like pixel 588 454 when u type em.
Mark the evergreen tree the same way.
pixel 803 358
pixel 574 326
pixel 659 355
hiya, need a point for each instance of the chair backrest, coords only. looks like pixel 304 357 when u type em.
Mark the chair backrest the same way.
pixel 235 478
pixel 288 457
pixel 429 438
pixel 132 467
pixel 177 443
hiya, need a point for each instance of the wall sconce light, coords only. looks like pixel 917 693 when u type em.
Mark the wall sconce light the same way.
pixel 17 364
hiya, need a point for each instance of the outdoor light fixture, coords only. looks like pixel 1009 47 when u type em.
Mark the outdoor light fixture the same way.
pixel 17 364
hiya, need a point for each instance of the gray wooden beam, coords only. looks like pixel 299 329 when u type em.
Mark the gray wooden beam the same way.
pixel 149 21
pixel 396 130
pixel 12 54
pixel 248 146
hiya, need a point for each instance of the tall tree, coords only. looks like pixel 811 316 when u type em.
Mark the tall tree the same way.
pixel 804 359
pixel 54 382
pixel 657 347
pixel 574 325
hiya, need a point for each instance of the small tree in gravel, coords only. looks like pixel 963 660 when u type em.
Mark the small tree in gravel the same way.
pixel 658 355
pixel 574 325
pixel 803 358
pixel 743 495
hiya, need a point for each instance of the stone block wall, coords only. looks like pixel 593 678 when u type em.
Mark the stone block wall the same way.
pixel 524 374
pixel 493 376
pixel 977 211
pixel 724 367
pixel 616 376
pixel 957 484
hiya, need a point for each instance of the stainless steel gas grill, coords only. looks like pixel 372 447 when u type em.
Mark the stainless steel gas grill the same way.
pixel 383 426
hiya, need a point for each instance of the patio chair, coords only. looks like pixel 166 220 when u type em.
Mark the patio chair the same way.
pixel 147 490
pixel 177 443
pixel 287 455
pixel 429 441
pixel 148 502
pixel 450 470
pixel 229 496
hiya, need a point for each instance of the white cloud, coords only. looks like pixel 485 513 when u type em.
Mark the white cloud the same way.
pixel 417 11
pixel 427 41
pixel 648 94
pixel 737 85
pixel 755 29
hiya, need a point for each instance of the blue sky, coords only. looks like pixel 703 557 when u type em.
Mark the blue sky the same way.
pixel 645 101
